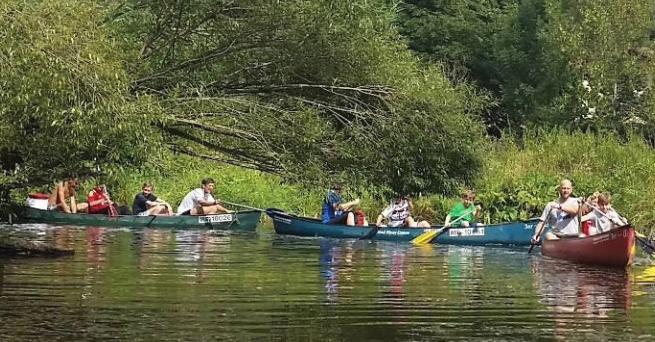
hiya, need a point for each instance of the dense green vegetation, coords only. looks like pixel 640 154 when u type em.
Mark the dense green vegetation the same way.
pixel 425 97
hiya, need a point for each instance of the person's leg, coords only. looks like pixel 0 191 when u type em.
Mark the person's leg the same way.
pixel 197 211
pixel 211 210
pixel 551 236
pixel 156 210
pixel 82 207
pixel 341 219
pixel 424 224
pixel 409 222
pixel 350 219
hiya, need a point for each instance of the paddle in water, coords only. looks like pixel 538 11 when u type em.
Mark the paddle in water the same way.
pixel 542 225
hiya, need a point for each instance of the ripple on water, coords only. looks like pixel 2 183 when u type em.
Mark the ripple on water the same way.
pixel 199 285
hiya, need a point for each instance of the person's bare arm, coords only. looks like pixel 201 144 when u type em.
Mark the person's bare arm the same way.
pixel 538 231
pixel 447 222
pixel 571 209
pixel 349 205
pixel 73 204
pixel 205 203
pixel 379 221
pixel 61 198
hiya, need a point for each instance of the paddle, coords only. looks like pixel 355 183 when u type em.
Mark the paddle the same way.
pixel 371 233
pixel 243 206
pixel 647 246
pixel 427 237
pixel 541 230
pixel 112 210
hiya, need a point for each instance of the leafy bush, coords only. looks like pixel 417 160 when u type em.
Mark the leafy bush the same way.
pixel 520 177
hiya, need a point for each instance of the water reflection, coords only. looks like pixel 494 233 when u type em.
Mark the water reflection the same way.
pixel 202 285
pixel 338 264
pixel 581 296
pixel 392 262
pixel 96 248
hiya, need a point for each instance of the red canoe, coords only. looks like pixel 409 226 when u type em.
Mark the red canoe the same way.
pixel 613 248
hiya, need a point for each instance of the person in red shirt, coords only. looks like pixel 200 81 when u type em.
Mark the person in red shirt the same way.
pixel 100 202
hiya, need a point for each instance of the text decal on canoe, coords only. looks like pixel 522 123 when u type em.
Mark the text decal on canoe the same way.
pixel 215 218
pixel 478 231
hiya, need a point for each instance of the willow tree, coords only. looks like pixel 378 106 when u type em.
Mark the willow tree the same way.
pixel 312 90
pixel 64 105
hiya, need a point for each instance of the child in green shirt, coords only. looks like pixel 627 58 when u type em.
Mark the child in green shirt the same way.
pixel 465 209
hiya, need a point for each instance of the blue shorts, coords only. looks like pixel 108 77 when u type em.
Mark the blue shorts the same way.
pixel 339 219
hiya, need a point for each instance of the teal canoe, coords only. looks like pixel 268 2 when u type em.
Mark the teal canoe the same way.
pixel 509 233
pixel 241 220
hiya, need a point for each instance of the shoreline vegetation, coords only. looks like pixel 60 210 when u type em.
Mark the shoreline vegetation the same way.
pixel 515 183
pixel 278 100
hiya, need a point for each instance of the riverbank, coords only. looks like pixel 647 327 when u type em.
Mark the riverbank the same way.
pixel 518 179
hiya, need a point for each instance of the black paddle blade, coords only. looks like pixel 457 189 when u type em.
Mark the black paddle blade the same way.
pixel 647 246
pixel 371 233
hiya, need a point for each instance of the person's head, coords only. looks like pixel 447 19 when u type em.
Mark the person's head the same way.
pixel 399 198
pixel 337 187
pixel 604 202
pixel 592 200
pixel 565 189
pixel 73 183
pixel 207 185
pixel 468 197
pixel 147 188
pixel 101 188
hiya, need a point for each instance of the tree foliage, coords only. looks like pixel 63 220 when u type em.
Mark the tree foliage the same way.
pixel 548 62
pixel 312 90
pixel 64 103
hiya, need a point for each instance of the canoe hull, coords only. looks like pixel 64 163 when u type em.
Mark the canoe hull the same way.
pixel 243 220
pixel 613 248
pixel 514 233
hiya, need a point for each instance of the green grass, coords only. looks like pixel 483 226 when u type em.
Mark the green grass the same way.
pixel 518 179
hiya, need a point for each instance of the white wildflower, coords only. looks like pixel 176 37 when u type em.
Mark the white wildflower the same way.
pixel 635 120
pixel 585 85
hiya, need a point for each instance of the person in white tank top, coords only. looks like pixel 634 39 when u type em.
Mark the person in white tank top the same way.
pixel 200 201
pixel 561 214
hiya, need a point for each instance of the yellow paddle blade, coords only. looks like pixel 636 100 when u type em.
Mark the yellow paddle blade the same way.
pixel 425 237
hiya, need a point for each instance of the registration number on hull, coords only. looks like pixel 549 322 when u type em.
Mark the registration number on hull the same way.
pixel 478 231
pixel 215 218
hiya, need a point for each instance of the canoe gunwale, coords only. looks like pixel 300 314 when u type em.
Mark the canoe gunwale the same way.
pixel 502 234
pixel 241 220
pixel 613 248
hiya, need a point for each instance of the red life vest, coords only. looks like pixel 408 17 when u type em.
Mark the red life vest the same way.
pixel 586 225
pixel 97 195
pixel 359 217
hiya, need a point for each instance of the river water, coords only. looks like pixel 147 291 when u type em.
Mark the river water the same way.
pixel 162 285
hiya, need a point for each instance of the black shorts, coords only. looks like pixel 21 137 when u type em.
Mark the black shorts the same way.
pixel 340 219
pixel 186 213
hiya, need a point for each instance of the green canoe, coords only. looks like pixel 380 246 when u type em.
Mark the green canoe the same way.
pixel 242 220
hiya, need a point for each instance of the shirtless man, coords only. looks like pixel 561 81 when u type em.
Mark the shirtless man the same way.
pixel 64 191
